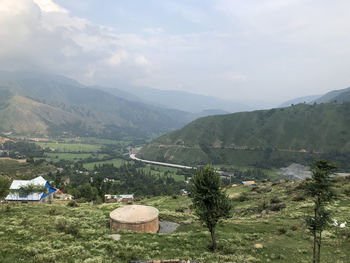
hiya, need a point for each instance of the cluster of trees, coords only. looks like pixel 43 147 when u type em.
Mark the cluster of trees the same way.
pixel 127 179
pixel 22 149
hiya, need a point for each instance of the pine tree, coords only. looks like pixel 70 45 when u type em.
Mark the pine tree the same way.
pixel 320 189
pixel 210 202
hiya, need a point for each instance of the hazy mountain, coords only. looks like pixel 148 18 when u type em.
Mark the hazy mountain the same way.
pixel 182 100
pixel 250 136
pixel 305 99
pixel 335 95
pixel 49 104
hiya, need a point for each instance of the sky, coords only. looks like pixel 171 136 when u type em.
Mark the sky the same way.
pixel 263 50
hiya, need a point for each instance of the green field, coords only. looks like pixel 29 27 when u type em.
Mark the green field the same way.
pixel 161 171
pixel 72 156
pixel 58 233
pixel 94 140
pixel 70 147
pixel 116 162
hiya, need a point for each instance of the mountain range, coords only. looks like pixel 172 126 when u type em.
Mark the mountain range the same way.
pixel 45 104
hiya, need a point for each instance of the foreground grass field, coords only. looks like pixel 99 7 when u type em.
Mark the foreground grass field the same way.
pixel 58 233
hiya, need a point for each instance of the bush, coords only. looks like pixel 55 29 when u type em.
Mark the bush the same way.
pixel 347 234
pixel 299 197
pixel 72 203
pixel 275 200
pixel 262 206
pixel 277 207
pixel 346 191
pixel 294 227
pixel 243 197
pixel 52 211
pixel 68 227
pixel 282 231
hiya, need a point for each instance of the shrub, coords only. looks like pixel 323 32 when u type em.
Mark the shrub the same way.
pixel 243 197
pixel 347 234
pixel 52 211
pixel 282 231
pixel 294 227
pixel 346 191
pixel 277 207
pixel 67 226
pixel 262 206
pixel 180 209
pixel 72 203
pixel 275 200
pixel 299 197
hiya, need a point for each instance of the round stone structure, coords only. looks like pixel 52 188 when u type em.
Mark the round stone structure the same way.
pixel 139 218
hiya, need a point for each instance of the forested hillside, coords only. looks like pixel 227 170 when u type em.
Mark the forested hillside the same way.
pixel 296 133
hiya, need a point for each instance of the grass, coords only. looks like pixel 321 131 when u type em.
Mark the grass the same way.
pixel 116 162
pixel 58 233
pixel 70 147
pixel 162 171
pixel 71 156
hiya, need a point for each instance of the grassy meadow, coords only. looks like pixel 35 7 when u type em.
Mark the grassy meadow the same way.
pixel 58 233
pixel 70 147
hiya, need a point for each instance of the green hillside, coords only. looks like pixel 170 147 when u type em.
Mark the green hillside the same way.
pixel 270 214
pixel 33 103
pixel 298 133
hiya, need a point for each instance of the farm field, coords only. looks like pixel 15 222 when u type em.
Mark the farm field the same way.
pixel 162 171
pixel 117 162
pixel 72 156
pixel 58 233
pixel 70 147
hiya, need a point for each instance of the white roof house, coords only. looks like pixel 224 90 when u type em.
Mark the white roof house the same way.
pixel 17 195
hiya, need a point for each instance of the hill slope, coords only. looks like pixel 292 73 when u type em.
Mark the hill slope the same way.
pixel 301 129
pixel 48 104
pixel 335 95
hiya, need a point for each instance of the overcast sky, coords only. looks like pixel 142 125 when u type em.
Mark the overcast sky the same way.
pixel 270 50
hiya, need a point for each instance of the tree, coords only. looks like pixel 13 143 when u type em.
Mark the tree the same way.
pixel 210 202
pixel 320 189
pixel 4 187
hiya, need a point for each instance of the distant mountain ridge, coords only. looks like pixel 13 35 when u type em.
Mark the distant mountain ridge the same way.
pixel 305 99
pixel 45 104
pixel 341 95
pixel 181 100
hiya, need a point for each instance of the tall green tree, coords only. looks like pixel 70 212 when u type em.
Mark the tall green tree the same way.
pixel 320 189
pixel 210 201
pixel 4 187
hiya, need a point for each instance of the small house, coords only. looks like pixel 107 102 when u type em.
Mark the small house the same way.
pixel 18 190
pixel 60 195
pixel 126 198
pixel 111 198
pixel 247 183
pixel 119 198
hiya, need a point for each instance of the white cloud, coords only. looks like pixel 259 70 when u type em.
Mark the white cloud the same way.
pixel 49 6
pixel 141 60
pixel 118 57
